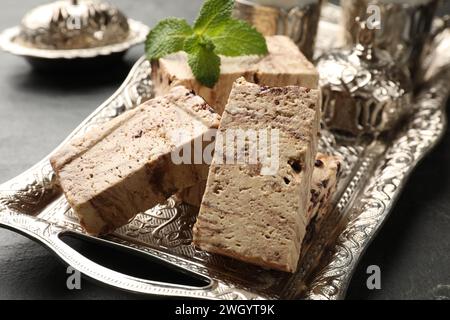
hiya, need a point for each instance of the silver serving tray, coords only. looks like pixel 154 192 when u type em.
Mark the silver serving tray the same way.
pixel 374 173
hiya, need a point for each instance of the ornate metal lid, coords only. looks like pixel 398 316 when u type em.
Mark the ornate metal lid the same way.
pixel 74 24
pixel 364 90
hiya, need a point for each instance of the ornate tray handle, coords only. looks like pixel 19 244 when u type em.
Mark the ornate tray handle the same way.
pixel 122 281
pixel 49 235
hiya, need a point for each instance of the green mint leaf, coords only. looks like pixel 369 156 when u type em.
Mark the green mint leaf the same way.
pixel 214 33
pixel 237 38
pixel 205 66
pixel 204 63
pixel 167 37
pixel 212 14
pixel 194 42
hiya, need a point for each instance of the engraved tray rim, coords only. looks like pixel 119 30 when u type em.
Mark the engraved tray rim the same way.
pixel 24 198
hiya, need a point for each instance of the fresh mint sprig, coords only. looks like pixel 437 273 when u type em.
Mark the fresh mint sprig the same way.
pixel 214 33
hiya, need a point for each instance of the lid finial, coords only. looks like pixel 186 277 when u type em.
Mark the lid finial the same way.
pixel 366 35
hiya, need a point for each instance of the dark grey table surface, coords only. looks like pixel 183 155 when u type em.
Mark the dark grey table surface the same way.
pixel 37 111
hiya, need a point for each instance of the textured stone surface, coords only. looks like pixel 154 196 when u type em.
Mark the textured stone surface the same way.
pixel 38 111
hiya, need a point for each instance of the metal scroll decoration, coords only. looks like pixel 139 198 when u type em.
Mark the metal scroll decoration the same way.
pixel 383 188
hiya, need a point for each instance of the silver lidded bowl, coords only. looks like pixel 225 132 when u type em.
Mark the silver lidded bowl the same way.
pixel 73 24
pixel 404 30
pixel 364 91
pixel 73 30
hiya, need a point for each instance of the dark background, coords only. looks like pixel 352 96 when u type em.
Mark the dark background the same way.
pixel 38 111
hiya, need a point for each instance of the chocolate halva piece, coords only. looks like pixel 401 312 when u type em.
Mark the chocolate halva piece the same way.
pixel 125 166
pixel 284 65
pixel 252 214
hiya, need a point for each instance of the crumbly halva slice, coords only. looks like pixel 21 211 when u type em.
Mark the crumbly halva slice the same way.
pixel 125 166
pixel 323 187
pixel 255 215
pixel 192 196
pixel 284 65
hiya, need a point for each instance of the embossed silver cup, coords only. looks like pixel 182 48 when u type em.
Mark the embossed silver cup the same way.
pixel 404 27
pixel 365 92
pixel 298 19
